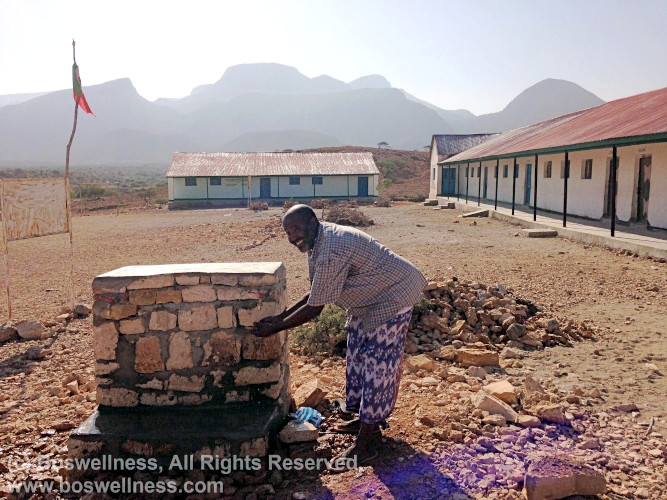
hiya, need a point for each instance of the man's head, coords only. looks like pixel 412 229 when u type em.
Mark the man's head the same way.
pixel 300 223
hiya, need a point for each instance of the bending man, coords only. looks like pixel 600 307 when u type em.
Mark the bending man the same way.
pixel 378 289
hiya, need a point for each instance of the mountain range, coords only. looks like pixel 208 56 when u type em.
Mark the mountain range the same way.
pixel 253 107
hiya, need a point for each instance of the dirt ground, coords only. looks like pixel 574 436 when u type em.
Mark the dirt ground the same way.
pixel 624 297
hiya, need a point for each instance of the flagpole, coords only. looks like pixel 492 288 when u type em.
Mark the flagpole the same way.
pixel 68 201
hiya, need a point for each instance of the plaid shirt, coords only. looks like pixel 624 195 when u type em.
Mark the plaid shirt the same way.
pixel 354 271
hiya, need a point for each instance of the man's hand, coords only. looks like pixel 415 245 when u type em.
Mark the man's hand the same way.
pixel 266 327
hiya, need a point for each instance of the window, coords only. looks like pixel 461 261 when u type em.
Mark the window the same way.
pixel 479 171
pixel 516 171
pixel 547 170
pixel 317 180
pixel 295 181
pixel 587 169
pixel 506 170
pixel 467 171
pixel 495 172
pixel 190 181
pixel 216 181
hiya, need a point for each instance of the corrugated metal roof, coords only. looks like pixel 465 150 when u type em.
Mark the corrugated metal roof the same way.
pixel 264 164
pixel 639 115
pixel 452 144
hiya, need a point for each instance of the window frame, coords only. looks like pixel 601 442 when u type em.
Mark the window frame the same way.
pixel 215 181
pixel 548 166
pixel 293 178
pixel 587 169
pixel 317 180
pixel 190 181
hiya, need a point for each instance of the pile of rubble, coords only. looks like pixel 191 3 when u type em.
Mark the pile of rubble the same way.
pixel 464 312
pixel 40 330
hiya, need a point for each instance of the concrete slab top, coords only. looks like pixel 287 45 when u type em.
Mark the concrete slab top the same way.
pixel 204 268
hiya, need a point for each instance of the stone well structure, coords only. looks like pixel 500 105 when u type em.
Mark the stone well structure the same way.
pixel 177 369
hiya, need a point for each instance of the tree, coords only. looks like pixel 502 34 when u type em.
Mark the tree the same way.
pixel 384 185
pixel 383 144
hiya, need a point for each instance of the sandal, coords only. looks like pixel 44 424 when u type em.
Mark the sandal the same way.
pixel 341 460
pixel 349 427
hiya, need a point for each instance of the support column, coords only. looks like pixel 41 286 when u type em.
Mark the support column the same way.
pixel 458 181
pixel 467 180
pixel 479 184
pixel 497 176
pixel 614 173
pixel 513 185
pixel 535 193
pixel 566 174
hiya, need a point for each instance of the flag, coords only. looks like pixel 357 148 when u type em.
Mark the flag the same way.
pixel 79 98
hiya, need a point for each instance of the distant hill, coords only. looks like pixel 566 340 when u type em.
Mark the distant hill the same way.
pixel 253 107
pixel 544 100
pixel 9 99
pixel 279 140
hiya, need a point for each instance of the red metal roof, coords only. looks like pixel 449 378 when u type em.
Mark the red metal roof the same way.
pixel 639 115
pixel 264 164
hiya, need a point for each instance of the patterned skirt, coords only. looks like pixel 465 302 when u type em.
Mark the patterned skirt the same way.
pixel 374 367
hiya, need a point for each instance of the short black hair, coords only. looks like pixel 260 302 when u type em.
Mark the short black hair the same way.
pixel 304 212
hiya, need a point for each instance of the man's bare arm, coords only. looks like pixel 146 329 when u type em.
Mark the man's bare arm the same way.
pixel 276 324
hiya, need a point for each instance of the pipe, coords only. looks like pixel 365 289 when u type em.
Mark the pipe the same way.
pixel 566 175
pixel 535 193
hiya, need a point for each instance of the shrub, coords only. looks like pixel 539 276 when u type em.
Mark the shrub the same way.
pixel 148 192
pixel 392 167
pixel 89 191
pixel 320 203
pixel 289 204
pixel 160 201
pixel 347 216
pixel 323 333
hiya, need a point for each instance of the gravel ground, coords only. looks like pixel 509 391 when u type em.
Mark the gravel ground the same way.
pixel 622 296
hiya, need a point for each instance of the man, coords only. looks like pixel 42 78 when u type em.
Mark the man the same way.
pixel 378 289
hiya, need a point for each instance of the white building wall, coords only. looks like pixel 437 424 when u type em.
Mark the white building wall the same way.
pixel 435 183
pixel 237 187
pixel 626 180
pixel 585 197
pixel 230 188
pixel 183 192
pixel 657 205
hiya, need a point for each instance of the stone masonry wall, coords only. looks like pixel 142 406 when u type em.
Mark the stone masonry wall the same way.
pixel 180 335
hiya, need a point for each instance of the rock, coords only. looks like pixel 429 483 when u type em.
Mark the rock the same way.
pixel 310 393
pixel 32 330
pixel 559 477
pixel 589 444
pixel 550 413
pixel 448 353
pixel 551 325
pixel 477 357
pixel 82 310
pixel 494 420
pixel 420 362
pixel 477 372
pixel 8 332
pixel 511 353
pixel 528 421
pixel 531 385
pixel 642 493
pixel 503 390
pixel 298 433
pixel 493 405
pixel 36 353
pixel 627 408
pixel 516 331
pixel 434 322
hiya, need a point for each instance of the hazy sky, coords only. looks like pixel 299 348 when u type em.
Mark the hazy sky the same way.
pixel 476 55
